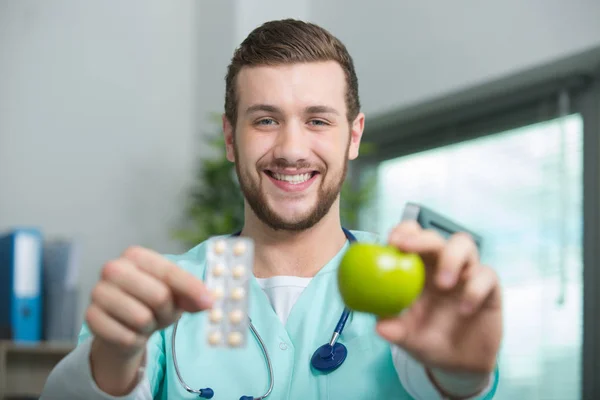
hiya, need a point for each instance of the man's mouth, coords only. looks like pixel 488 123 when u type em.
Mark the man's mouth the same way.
pixel 294 179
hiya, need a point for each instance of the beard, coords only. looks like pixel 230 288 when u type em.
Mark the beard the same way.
pixel 327 193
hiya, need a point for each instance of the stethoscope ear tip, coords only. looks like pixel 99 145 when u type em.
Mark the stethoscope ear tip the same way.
pixel 207 393
pixel 246 398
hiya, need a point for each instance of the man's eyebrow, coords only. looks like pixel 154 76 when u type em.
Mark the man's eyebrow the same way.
pixel 262 107
pixel 321 110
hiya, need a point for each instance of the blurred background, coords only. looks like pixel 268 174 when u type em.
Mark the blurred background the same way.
pixel 488 112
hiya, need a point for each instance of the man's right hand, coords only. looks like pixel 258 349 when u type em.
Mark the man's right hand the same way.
pixel 138 294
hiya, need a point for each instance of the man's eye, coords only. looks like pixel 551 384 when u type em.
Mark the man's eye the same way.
pixel 318 122
pixel 266 121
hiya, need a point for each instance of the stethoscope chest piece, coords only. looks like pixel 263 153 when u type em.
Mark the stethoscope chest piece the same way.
pixel 328 358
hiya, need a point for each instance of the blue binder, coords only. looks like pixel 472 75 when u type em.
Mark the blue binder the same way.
pixel 20 285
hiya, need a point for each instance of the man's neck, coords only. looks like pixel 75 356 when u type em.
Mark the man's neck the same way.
pixel 290 253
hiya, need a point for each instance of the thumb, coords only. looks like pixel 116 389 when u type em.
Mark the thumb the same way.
pixel 199 303
pixel 393 330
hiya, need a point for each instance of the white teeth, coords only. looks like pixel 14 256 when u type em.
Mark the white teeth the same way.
pixel 294 179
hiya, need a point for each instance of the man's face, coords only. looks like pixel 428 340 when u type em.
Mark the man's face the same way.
pixel 292 141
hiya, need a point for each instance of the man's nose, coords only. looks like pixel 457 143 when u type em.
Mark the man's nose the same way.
pixel 292 144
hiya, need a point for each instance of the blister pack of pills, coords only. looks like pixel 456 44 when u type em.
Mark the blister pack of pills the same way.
pixel 229 265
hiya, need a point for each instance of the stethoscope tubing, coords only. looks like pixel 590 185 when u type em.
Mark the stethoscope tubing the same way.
pixel 267 359
pixel 208 393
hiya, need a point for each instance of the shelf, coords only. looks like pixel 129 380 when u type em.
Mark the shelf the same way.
pixel 52 348
pixel 24 366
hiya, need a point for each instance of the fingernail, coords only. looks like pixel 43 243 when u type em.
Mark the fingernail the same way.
pixel 206 301
pixel 394 238
pixel 466 307
pixel 446 279
pixel 406 241
pixel 150 328
pixel 391 330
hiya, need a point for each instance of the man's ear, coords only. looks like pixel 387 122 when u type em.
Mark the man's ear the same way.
pixel 229 138
pixel 356 132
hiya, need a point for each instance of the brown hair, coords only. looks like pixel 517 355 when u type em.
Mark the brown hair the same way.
pixel 290 41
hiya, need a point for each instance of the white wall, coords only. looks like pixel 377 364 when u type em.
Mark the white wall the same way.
pixel 249 14
pixel 101 105
pixel 408 53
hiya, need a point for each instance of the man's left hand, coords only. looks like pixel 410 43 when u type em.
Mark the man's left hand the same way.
pixel 456 323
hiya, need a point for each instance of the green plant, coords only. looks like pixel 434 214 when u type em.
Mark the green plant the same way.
pixel 356 194
pixel 215 203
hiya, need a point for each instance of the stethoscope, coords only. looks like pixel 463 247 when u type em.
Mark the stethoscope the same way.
pixel 326 358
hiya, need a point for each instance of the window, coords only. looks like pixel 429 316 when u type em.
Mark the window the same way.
pixel 522 191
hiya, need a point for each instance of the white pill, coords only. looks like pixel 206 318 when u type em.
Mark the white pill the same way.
pixel 218 292
pixel 236 316
pixel 239 248
pixel 237 293
pixel 216 315
pixel 235 339
pixel 214 338
pixel 238 271
pixel 220 247
pixel 218 270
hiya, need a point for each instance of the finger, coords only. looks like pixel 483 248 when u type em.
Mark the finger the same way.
pixel 425 242
pixel 403 230
pixel 398 329
pixel 125 309
pixel 478 289
pixel 190 292
pixel 110 330
pixel 144 287
pixel 458 257
pixel 393 330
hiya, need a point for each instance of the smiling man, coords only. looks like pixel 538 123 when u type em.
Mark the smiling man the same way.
pixel 290 181
pixel 292 122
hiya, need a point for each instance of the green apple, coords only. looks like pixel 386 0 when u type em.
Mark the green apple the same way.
pixel 380 279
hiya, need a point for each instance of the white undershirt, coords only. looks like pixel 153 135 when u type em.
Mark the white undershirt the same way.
pixel 283 292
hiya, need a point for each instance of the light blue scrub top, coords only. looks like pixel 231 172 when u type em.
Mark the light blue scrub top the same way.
pixel 367 373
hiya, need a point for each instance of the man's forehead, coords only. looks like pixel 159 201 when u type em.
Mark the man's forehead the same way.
pixel 315 82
